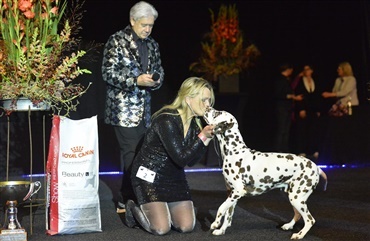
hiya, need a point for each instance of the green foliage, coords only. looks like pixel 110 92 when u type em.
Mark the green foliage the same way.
pixel 39 52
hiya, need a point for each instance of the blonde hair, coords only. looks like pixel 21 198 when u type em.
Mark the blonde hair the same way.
pixel 191 87
pixel 347 68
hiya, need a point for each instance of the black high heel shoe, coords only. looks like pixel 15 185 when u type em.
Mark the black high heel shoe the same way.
pixel 134 217
pixel 129 217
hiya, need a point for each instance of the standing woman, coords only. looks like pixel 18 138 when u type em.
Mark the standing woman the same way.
pixel 174 140
pixel 345 89
pixel 342 133
pixel 307 113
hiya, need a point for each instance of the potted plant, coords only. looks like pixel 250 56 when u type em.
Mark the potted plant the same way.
pixel 225 52
pixel 39 53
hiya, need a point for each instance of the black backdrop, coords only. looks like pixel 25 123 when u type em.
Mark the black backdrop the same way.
pixel 322 33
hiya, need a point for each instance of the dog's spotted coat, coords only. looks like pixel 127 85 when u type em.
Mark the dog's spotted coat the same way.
pixel 248 173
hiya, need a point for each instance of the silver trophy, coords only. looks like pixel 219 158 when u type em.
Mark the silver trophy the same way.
pixel 13 193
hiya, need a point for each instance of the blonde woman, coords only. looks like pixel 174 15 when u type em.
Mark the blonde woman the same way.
pixel 174 140
pixel 345 89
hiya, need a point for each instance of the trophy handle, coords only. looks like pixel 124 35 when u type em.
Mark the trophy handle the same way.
pixel 32 191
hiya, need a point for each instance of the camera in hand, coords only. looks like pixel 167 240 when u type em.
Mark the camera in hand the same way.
pixel 155 76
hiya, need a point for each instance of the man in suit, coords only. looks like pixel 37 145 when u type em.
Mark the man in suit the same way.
pixel 132 70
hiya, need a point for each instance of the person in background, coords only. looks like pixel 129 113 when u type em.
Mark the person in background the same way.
pixel 341 128
pixel 284 98
pixel 345 88
pixel 307 114
pixel 132 70
pixel 174 140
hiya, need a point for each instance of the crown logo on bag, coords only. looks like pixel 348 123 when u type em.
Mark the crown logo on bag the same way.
pixel 77 149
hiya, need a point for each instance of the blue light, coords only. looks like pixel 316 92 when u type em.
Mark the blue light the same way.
pixel 100 174
pixel 217 169
pixel 34 175
pixel 110 173
pixel 203 170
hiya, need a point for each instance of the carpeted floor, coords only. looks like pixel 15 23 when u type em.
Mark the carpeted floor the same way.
pixel 342 212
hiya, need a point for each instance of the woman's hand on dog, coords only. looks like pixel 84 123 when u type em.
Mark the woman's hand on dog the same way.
pixel 208 131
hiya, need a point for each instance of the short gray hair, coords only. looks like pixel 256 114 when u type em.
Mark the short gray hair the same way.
pixel 141 10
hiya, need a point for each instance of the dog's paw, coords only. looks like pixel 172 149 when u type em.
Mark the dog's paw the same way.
pixel 215 225
pixel 296 236
pixel 218 232
pixel 288 226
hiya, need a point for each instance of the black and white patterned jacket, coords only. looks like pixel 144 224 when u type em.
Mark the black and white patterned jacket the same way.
pixel 126 103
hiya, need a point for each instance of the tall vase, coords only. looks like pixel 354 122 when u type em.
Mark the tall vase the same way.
pixel 228 83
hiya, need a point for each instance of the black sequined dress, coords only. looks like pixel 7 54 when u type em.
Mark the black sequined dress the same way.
pixel 166 152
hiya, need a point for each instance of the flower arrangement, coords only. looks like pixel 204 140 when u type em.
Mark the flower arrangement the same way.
pixel 38 52
pixel 225 50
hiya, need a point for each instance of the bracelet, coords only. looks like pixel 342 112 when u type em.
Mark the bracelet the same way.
pixel 202 137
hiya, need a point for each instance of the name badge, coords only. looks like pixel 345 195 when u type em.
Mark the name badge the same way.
pixel 145 174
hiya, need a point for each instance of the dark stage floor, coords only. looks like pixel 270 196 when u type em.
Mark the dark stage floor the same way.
pixel 342 212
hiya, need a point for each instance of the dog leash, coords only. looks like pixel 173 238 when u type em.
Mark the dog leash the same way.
pixel 216 146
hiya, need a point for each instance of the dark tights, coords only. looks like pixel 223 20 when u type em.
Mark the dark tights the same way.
pixel 158 217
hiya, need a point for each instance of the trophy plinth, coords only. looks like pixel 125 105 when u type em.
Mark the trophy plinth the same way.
pixel 13 193
pixel 13 235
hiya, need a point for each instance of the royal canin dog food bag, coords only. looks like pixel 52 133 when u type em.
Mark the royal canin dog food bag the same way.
pixel 72 203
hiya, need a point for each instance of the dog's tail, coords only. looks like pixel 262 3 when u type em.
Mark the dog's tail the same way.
pixel 324 177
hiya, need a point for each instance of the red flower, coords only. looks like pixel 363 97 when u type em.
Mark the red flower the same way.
pixel 24 5
pixel 224 49
pixel 54 10
pixel 29 14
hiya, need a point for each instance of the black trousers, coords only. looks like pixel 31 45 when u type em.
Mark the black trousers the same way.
pixel 129 140
pixel 307 134
pixel 282 132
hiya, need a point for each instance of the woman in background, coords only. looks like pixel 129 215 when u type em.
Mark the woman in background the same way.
pixel 345 87
pixel 342 134
pixel 307 114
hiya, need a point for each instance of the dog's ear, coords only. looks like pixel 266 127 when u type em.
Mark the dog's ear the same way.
pixel 222 127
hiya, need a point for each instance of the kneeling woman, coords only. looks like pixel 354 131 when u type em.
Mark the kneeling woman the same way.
pixel 174 140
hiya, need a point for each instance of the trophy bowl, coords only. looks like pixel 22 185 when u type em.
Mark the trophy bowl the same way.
pixel 13 193
pixel 19 191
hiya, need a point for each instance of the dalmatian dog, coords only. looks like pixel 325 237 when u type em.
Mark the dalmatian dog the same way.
pixel 249 172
